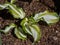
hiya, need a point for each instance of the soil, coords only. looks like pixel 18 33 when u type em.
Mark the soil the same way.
pixel 50 34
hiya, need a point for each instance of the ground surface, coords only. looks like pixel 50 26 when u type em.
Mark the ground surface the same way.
pixel 50 34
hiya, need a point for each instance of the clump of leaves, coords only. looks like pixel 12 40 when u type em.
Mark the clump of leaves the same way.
pixel 28 25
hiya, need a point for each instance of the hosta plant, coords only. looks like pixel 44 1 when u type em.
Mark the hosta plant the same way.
pixel 28 25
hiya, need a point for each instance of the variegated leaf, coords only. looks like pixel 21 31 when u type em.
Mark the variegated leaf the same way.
pixel 19 33
pixel 7 29
pixel 48 17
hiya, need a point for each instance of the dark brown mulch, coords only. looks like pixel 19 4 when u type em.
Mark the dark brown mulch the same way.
pixel 50 34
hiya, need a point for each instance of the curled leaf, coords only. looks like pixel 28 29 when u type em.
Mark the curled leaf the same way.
pixel 25 27
pixel 7 29
pixel 48 17
pixel 19 33
pixel 16 12
pixel 36 33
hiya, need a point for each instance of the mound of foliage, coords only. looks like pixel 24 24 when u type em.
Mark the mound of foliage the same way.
pixel 28 25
